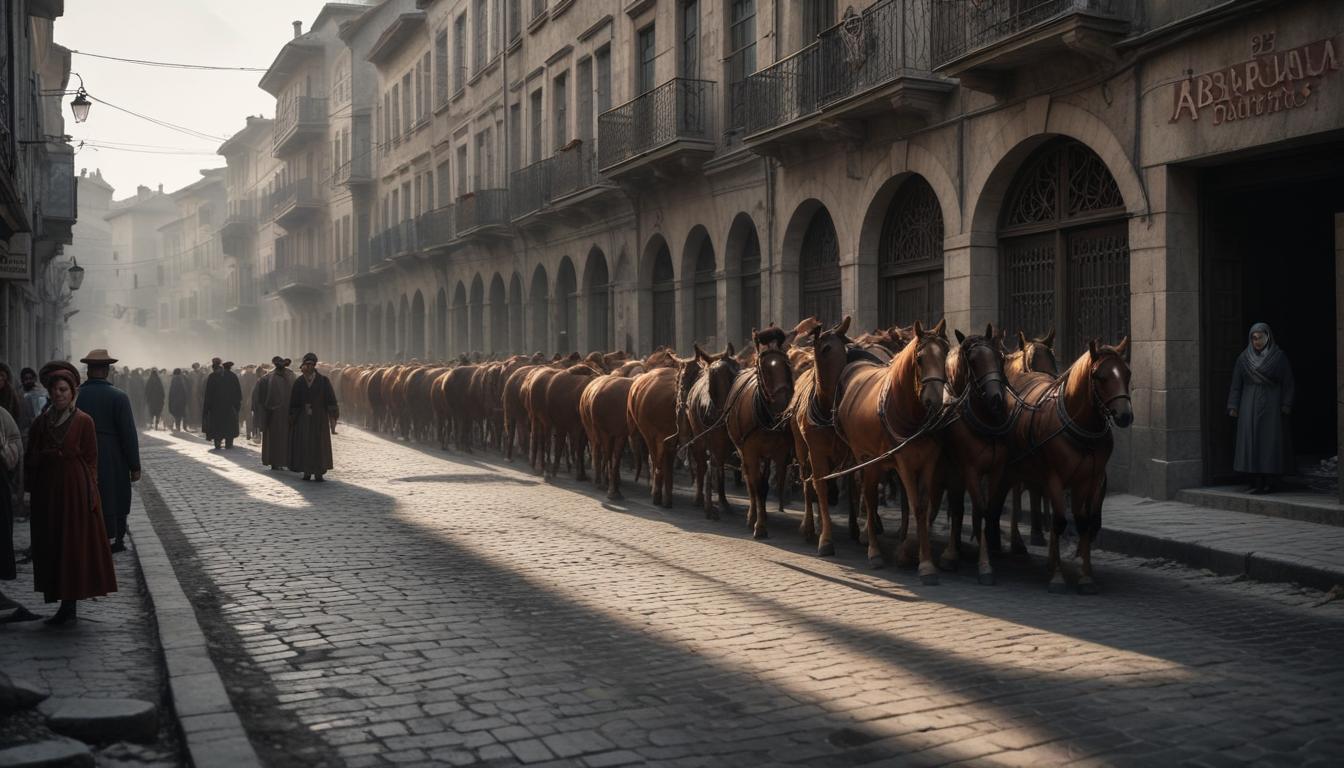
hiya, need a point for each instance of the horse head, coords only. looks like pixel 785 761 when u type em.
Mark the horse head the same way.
pixel 721 372
pixel 978 363
pixel 774 375
pixel 830 349
pixel 1110 381
pixel 929 350
pixel 1033 355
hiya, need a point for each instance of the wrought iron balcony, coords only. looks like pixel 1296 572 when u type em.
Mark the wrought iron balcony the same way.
pixel 238 227
pixel 573 170
pixel 482 211
pixel 670 124
pixel 873 63
pixel 529 189
pixel 294 202
pixel 296 280
pixel 992 37
pixel 303 118
pixel 355 171
pixel 436 228
pixel 241 295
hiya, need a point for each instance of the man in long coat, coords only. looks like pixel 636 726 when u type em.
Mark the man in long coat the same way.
pixel 118 443
pixel 313 413
pixel 247 381
pixel 135 389
pixel 1261 400
pixel 219 405
pixel 195 394
pixel 153 398
pixel 257 409
pixel 275 419
pixel 179 393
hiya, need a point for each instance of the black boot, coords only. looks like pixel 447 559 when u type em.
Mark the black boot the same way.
pixel 119 545
pixel 65 615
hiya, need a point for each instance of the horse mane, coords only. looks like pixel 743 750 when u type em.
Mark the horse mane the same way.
pixel 583 369
pixel 772 336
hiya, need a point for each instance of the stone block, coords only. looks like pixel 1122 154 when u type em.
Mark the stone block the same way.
pixel 53 753
pixel 18 694
pixel 100 720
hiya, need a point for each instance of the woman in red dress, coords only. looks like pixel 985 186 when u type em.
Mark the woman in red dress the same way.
pixel 71 557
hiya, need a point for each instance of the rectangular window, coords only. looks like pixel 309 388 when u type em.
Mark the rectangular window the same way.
pixel 560 102
pixel 460 53
pixel 407 104
pixel 480 33
pixel 690 39
pixel 583 98
pixel 424 78
pixel 396 113
pixel 644 72
pixel 445 194
pixel 462 170
pixel 818 16
pixel 535 142
pixel 603 80
pixel 441 68
pixel 406 200
pixel 515 136
pixel 515 19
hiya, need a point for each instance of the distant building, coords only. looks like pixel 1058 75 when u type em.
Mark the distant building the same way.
pixel 103 264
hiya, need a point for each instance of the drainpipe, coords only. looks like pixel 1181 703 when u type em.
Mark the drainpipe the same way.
pixel 769 236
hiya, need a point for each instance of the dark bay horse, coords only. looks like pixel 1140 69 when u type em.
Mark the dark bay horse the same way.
pixel 975 441
pixel 884 415
pixel 708 446
pixel 1065 442
pixel 1032 355
pixel 758 423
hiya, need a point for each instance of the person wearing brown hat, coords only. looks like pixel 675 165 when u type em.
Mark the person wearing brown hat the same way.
pixel 71 559
pixel 118 444
pixel 313 413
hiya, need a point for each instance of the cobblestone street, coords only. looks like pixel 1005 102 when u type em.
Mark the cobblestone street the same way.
pixel 422 608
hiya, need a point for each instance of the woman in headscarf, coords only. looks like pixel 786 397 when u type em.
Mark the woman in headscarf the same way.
pixel 1261 399
pixel 71 557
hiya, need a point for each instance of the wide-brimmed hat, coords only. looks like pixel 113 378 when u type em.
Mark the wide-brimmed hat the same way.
pixel 98 357
pixel 59 369
pixel 310 358
pixel 228 364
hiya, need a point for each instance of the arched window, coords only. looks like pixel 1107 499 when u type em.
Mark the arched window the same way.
pixel 910 257
pixel 819 271
pixel 751 285
pixel 664 300
pixel 1064 249
pixel 706 297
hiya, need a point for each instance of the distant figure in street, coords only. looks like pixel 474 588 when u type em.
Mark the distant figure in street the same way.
pixel 247 381
pixel 154 398
pixel 11 451
pixel 118 444
pixel 219 405
pixel 313 413
pixel 195 395
pixel 1261 401
pixel 71 560
pixel 135 390
pixel 34 401
pixel 275 422
pixel 257 410
pixel 178 390
pixel 9 398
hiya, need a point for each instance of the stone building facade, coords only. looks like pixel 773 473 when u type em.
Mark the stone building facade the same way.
pixel 551 174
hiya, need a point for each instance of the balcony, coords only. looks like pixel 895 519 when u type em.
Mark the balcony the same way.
pixel 668 129
pixel 58 207
pixel 399 241
pixel 529 189
pixel 296 280
pixel 872 65
pixel 303 119
pixel 241 296
pixel 982 45
pixel 238 227
pixel 293 203
pixel 356 172
pixel 483 212
pixel 436 228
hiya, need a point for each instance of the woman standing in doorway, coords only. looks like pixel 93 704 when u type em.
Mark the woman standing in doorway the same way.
pixel 1261 399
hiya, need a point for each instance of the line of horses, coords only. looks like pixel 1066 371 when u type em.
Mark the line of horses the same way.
pixel 904 406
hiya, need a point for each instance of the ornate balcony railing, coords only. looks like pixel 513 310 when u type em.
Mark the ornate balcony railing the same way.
pixel 294 194
pixel 285 277
pixel 436 227
pixel 886 41
pixel 573 169
pixel 964 27
pixel 303 113
pixel 356 170
pixel 676 110
pixel 482 208
pixel 8 148
pixel 529 188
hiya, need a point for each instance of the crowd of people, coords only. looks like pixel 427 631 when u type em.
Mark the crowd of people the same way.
pixel 69 449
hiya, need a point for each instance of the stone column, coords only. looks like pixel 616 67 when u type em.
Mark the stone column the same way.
pixel 971 280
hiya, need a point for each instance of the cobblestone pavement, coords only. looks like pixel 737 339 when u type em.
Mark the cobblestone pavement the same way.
pixel 111 652
pixel 422 608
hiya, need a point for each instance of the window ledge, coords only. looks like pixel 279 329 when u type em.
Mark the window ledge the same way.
pixel 560 8
pixel 441 106
pixel 459 93
pixel 514 44
pixel 537 22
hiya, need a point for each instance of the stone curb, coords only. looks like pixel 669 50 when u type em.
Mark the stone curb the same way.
pixel 212 732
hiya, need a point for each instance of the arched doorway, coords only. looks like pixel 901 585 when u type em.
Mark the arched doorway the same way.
pixel 910 257
pixel 1064 249
pixel 742 257
pixel 664 290
pixel 516 313
pixel 476 322
pixel 418 326
pixel 541 306
pixel 819 270
pixel 441 325
pixel 705 296
pixel 499 317
pixel 375 334
pixel 566 307
pixel 390 342
pixel 597 284
pixel 461 338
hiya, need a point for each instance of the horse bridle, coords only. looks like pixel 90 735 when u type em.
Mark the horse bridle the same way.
pixel 977 385
pixel 1104 406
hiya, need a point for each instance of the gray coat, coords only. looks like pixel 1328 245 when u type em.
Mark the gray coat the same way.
pixel 1260 395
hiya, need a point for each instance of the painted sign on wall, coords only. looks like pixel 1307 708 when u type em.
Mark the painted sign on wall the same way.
pixel 1270 81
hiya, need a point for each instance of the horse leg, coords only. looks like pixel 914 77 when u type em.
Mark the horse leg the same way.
pixel 852 485
pixel 1087 516
pixel 760 531
pixel 724 507
pixel 1019 547
pixel 697 457
pixel 821 467
pixel 579 443
pixel 870 483
pixel 956 511
pixel 806 473
pixel 925 485
pixel 669 457
pixel 1055 492
pixel 983 516
pixel 1037 517
pixel 751 469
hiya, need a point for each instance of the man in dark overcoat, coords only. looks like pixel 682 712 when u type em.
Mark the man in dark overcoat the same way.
pixel 219 405
pixel 312 413
pixel 118 443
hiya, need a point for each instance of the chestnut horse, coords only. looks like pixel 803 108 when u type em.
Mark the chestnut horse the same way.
pixel 1036 355
pixel 975 441
pixel 758 424
pixel 1065 442
pixel 709 446
pixel 602 409
pixel 652 411
pixel 886 414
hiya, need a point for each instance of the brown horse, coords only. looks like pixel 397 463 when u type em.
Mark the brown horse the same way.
pixel 602 409
pixel 885 414
pixel 1065 441
pixel 975 441
pixel 563 393
pixel 652 411
pixel 708 445
pixel 1032 355
pixel 758 423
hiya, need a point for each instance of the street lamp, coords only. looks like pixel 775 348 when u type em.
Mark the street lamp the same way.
pixel 76 272
pixel 80 104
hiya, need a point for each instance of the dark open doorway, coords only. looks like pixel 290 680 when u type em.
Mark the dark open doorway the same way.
pixel 1268 255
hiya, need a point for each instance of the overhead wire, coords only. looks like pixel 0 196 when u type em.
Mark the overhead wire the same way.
pixel 168 64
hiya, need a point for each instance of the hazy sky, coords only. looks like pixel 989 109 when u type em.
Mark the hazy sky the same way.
pixel 231 33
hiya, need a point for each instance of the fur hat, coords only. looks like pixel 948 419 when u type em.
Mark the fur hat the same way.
pixel 59 369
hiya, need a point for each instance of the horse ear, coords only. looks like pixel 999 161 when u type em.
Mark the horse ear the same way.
pixel 919 329
pixel 1092 347
pixel 940 328
pixel 1021 340
pixel 960 336
pixel 843 327
pixel 1050 339
pixel 1123 348
pixel 989 330
pixel 728 351
pixel 700 353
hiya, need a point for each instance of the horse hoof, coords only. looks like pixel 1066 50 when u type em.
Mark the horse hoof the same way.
pixel 986 579
pixel 760 533
pixel 826 549
pixel 1087 587
pixel 949 563
pixel 1058 587
pixel 876 562
pixel 615 496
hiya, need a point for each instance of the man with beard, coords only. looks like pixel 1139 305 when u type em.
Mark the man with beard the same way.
pixel 153 398
pixel 313 413
pixel 219 405
pixel 275 423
